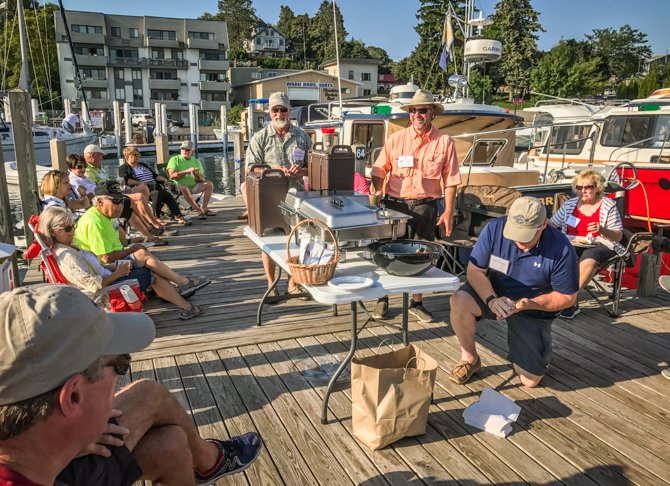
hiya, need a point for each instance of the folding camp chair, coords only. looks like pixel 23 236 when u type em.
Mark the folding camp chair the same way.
pixel 475 207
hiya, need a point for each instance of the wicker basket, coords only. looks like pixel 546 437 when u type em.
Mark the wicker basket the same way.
pixel 311 274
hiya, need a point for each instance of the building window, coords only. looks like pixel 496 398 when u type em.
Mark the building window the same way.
pixel 99 74
pixel 169 75
pixel 255 75
pixel 215 77
pixel 258 40
pixel 120 94
pixel 124 53
pixel 212 56
pixel 137 74
pixel 272 75
pixel 345 90
pixel 134 33
pixel 137 94
pixel 157 53
pixel 89 51
pixel 162 34
pixel 281 42
pixel 177 54
pixel 96 94
pixel 118 73
pixel 366 77
pixel 164 96
pixel 367 92
pixel 351 75
pixel 213 96
pixel 86 29
pixel 115 31
pixel 270 42
pixel 201 35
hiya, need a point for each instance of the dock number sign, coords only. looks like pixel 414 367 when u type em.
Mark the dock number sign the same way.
pixel 360 153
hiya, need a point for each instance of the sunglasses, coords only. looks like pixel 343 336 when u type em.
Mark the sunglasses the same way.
pixel 420 111
pixel 279 110
pixel 581 188
pixel 115 200
pixel 188 150
pixel 67 229
pixel 78 167
pixel 120 363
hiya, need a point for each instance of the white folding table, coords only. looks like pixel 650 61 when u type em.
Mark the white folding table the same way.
pixel 434 280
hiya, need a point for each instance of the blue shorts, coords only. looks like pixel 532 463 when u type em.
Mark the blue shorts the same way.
pixel 67 126
pixel 143 275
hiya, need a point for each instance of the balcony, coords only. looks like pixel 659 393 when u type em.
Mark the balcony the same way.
pixel 85 38
pixel 147 62
pixel 173 84
pixel 217 86
pixel 94 83
pixel 267 46
pixel 162 42
pixel 96 61
pixel 170 105
pixel 204 65
pixel 94 104
pixel 202 43
pixel 214 105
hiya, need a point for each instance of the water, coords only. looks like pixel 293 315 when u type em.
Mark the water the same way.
pixel 222 176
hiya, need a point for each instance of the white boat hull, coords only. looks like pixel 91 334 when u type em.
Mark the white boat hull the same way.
pixel 13 175
pixel 43 148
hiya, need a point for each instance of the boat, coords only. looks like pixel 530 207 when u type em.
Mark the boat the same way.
pixel 219 132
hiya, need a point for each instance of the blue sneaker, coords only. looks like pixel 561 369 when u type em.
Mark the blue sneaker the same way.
pixel 237 454
pixel 570 312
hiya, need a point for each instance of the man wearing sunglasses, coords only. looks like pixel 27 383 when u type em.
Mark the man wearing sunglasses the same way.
pixel 281 145
pixel 61 422
pixel 187 171
pixel 421 166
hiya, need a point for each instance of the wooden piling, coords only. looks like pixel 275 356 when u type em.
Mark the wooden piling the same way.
pixel 6 230
pixel 162 150
pixel 238 154
pixel 647 282
pixel 58 154
pixel 19 104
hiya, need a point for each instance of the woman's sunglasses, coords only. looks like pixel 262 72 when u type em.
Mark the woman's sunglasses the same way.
pixel 581 188
pixel 79 167
pixel 279 110
pixel 121 364
pixel 420 111
pixel 67 229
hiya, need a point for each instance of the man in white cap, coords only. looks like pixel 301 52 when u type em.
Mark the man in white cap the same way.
pixel 281 145
pixel 187 171
pixel 62 424
pixel 421 165
pixel 525 272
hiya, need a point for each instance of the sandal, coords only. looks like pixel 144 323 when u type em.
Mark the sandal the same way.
pixel 156 231
pixel 159 242
pixel 298 290
pixel 464 370
pixel 210 213
pixel 191 287
pixel 243 216
pixel 185 222
pixel 202 216
pixel 195 311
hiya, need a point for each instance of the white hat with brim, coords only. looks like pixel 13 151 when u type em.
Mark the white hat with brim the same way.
pixel 49 333
pixel 424 97
pixel 278 98
pixel 525 217
pixel 93 149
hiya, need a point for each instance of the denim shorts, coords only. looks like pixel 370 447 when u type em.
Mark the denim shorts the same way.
pixel 144 276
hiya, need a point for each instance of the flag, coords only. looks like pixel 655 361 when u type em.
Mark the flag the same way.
pixel 444 58
pixel 447 33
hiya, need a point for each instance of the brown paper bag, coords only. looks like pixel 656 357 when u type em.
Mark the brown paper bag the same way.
pixel 391 395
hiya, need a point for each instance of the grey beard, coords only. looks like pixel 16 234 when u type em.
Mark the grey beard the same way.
pixel 281 124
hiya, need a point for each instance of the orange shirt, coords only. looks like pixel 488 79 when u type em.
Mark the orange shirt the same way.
pixel 434 160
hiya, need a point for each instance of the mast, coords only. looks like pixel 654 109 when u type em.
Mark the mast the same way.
pixel 24 79
pixel 77 73
pixel 337 58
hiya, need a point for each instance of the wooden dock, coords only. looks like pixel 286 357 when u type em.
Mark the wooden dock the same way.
pixel 600 417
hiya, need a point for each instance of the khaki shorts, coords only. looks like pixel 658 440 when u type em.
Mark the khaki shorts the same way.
pixel 198 188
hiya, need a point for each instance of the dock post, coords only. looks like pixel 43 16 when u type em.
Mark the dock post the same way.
pixel 164 124
pixel 67 104
pixel 19 105
pixel 224 133
pixel 162 150
pixel 6 230
pixel 238 157
pixel 117 128
pixel 58 154
pixel 193 125
pixel 34 109
pixel 127 121
pixel 647 282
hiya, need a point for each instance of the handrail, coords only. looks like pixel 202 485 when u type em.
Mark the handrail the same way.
pixel 664 135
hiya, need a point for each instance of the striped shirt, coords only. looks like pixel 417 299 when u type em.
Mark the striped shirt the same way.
pixel 143 174
pixel 609 219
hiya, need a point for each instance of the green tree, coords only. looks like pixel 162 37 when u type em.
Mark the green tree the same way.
pixel 517 25
pixel 321 29
pixel 238 54
pixel 649 83
pixel 42 54
pixel 480 84
pixel 382 56
pixel 240 18
pixel 622 91
pixel 633 89
pixel 622 51
pixel 666 81
pixel 286 19
pixel 235 115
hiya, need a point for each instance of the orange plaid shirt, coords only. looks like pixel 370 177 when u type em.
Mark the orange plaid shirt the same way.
pixel 434 161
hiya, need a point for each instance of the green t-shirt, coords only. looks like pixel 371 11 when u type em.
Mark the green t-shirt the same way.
pixel 95 233
pixel 179 163
pixel 95 174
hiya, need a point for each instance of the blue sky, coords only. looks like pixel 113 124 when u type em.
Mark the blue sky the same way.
pixel 390 24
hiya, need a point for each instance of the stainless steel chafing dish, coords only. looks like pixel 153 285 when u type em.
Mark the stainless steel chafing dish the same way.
pixel 348 214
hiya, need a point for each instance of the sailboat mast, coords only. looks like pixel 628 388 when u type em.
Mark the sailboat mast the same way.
pixel 77 73
pixel 24 79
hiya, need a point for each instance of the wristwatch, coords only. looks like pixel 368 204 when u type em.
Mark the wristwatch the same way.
pixel 490 298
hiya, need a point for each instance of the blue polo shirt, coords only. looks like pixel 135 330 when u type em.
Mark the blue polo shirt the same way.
pixel 552 265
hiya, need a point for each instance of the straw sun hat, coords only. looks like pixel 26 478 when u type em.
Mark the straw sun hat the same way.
pixel 424 97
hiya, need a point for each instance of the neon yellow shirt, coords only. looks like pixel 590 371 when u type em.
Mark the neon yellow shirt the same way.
pixel 95 233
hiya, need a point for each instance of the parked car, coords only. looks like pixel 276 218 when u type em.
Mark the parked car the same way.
pixel 175 122
pixel 142 119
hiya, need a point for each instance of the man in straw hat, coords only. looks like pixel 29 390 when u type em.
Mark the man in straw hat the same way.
pixel 525 272
pixel 281 145
pixel 61 422
pixel 421 165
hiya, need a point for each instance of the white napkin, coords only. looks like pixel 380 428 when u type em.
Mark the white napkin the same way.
pixel 493 413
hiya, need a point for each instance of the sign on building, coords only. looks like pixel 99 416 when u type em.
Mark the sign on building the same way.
pixel 297 84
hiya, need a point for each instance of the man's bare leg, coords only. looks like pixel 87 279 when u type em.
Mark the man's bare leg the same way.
pixel 243 190
pixel 141 198
pixel 164 457
pixel 136 222
pixel 527 379
pixel 146 405
pixel 463 317
pixel 146 259
pixel 209 189
pixel 188 197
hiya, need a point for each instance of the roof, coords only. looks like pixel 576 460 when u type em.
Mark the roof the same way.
pixel 260 25
pixel 320 73
pixel 330 62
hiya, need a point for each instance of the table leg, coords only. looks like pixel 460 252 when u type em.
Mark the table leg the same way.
pixel 405 319
pixel 347 360
pixel 267 292
pixel 335 310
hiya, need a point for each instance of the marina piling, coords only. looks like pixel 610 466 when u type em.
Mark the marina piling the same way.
pixel 6 230
pixel 157 120
pixel 117 127
pixel 238 157
pixel 34 109
pixel 193 125
pixel 19 105
pixel 164 124
pixel 67 105
pixel 224 133
pixel 128 123
pixel 85 116
pixel 58 154
pixel 162 150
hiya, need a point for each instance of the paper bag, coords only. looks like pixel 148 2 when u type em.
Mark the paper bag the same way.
pixel 391 395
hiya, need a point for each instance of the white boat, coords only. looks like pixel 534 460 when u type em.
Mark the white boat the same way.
pixel 219 133
pixel 13 175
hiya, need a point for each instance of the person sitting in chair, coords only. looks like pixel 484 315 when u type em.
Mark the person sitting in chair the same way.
pixel 590 214
pixel 57 191
pixel 188 173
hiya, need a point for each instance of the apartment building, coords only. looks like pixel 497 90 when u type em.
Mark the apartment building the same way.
pixel 362 71
pixel 145 60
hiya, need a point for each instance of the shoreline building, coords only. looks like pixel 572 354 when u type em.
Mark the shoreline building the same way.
pixel 362 71
pixel 266 41
pixel 146 60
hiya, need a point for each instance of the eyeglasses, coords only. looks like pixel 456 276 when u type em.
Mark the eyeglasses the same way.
pixel 420 111
pixel 188 150
pixel 279 110
pixel 581 188
pixel 79 167
pixel 120 363
pixel 115 200
pixel 67 229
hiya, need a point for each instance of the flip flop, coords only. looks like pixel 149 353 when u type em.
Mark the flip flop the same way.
pixel 202 216
pixel 210 213
pixel 195 311
pixel 185 222
pixel 190 288
pixel 159 242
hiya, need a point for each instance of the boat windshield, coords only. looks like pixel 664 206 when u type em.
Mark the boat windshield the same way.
pixel 661 129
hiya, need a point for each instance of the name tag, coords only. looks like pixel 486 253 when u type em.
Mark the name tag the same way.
pixel 499 264
pixel 572 221
pixel 406 161
pixel 298 154
pixel 102 176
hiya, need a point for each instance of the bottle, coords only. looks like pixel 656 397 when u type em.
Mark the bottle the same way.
pixel 129 294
